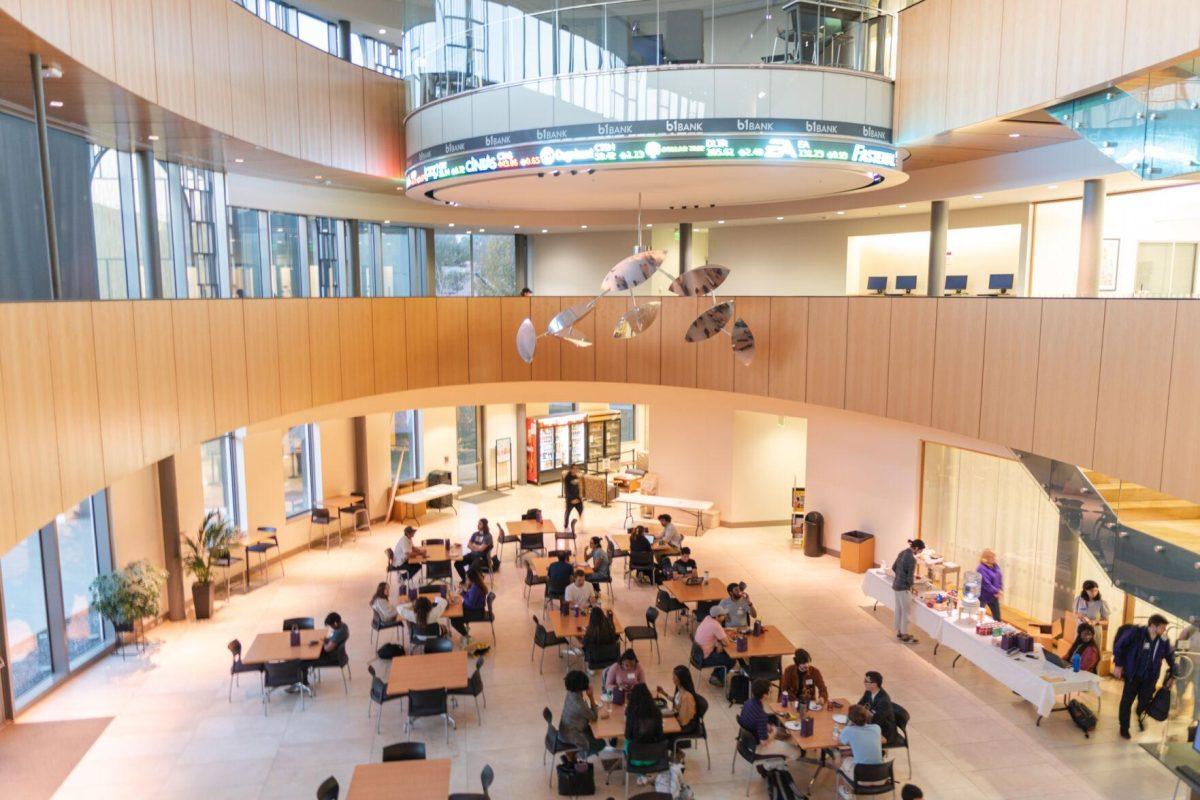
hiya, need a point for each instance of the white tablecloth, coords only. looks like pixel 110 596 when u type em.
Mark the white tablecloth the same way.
pixel 1022 675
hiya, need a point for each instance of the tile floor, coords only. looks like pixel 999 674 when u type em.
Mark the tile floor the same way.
pixel 175 735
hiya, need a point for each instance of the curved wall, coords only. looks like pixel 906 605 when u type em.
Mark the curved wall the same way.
pixel 90 392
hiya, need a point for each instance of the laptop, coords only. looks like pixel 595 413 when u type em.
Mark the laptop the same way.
pixel 1055 660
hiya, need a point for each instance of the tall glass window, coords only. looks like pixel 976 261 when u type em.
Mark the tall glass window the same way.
pixel 200 232
pixel 166 242
pixel 328 248
pixel 219 479
pixel 628 420
pixel 25 615
pixel 24 254
pixel 300 469
pixel 368 259
pixel 107 223
pixel 286 255
pixel 479 265
pixel 79 532
pixel 406 443
pixel 248 252
pixel 399 254
pixel 452 254
pixel 468 445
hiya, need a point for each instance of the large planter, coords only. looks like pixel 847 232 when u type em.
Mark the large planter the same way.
pixel 202 599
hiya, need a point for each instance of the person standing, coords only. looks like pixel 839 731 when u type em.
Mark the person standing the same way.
pixel 1138 656
pixel 991 582
pixel 905 569
pixel 573 493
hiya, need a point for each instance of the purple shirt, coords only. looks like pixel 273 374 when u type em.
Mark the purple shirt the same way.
pixel 991 582
pixel 754 718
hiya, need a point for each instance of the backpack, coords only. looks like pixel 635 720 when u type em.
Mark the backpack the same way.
pixel 671 783
pixel 1082 716
pixel 390 651
pixel 576 778
pixel 1160 705
pixel 495 563
pixel 737 689
pixel 782 786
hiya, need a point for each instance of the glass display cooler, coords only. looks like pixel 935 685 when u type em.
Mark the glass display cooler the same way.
pixel 604 440
pixel 553 443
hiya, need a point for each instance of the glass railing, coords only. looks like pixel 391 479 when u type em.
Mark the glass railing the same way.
pixel 462 45
pixel 1158 571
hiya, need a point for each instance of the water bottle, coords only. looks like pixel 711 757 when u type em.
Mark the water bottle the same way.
pixel 705 577
pixel 294 638
pixel 783 700
pixel 1075 662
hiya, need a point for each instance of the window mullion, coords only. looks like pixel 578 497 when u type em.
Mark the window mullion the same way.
pixel 55 613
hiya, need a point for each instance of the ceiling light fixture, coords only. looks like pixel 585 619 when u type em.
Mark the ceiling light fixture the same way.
pixel 516 227
pixel 483 230
pixel 545 230
pixel 239 161
pixel 720 222
pixel 1052 186
pixel 902 205
pixel 649 224
pixel 152 137
pixel 841 213
pixel 382 31
pixel 318 177
pixel 779 219
pixel 976 197
pixel 56 103
pixel 451 224
pixel 583 227
pixel 387 222
pixel 1014 136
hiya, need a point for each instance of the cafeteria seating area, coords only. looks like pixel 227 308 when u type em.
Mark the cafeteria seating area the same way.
pixel 178 730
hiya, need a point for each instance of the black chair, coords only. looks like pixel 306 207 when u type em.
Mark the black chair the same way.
pixel 337 659
pixel 657 753
pixel 651 796
pixel 393 567
pixel 423 634
pixel 602 657
pixel 378 624
pixel 503 539
pixel 489 615
pixel 667 604
pixel 641 562
pixel 765 668
pixel 301 623
pixel 647 632
pixel 379 696
pixel 699 732
pixel 238 666
pixel 900 741
pixel 284 674
pixel 431 588
pixel 485 781
pixel 351 510
pixel 474 688
pixel 439 571
pixel 543 638
pixel 566 536
pixel 554 745
pixel 441 645
pixel 747 748
pixel 614 553
pixel 268 541
pixel 531 543
pixel 532 580
pixel 604 580
pixel 871 779
pixel 323 521
pixel 404 751
pixel 429 703
pixel 226 561
pixel 329 789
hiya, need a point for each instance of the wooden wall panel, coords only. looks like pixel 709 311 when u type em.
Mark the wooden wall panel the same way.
pixel 452 344
pixel 1010 367
pixel 1135 380
pixel 787 362
pixel 678 357
pixel 825 363
pixel 714 356
pixel 513 311
pixel 421 323
pixel 384 127
pixel 133 48
pixel 578 363
pixel 173 57
pixel 312 71
pixel 390 345
pixel 643 355
pixel 484 345
pixel 868 329
pixel 210 56
pixel 1181 454
pixel 283 90
pixel 325 351
pixel 8 531
pixel 262 359
pixel 158 395
pixel 922 70
pixel 1159 30
pixel 973 61
pixel 248 90
pixel 755 378
pixel 1064 423
pixel 610 353
pixel 115 353
pixel 547 363
pixel 1091 37
pixel 1028 54
pixel 910 360
pixel 348 119
pixel 293 356
pixel 49 19
pixel 27 385
pixel 231 400
pixel 92 35
pixel 193 372
pixel 356 333
pixel 958 364
pixel 76 399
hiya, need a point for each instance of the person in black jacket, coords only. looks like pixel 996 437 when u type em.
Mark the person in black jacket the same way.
pixel 877 701
pixel 1138 657
pixel 905 569
pixel 573 493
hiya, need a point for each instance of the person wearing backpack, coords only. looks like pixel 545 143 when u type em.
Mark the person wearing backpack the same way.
pixel 1138 656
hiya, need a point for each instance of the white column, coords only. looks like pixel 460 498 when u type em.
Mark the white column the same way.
pixel 1091 238
pixel 939 231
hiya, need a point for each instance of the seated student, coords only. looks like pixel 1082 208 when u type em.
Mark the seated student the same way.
pixel 534 514
pixel 578 714
pixel 558 575
pixel 911 792
pixel 801 679
pixel 335 639
pixel 405 549
pixel 1085 645
pixel 601 563
pixel 643 720
pixel 601 643
pixel 479 550
pixel 625 674
pixel 737 606
pixel 421 613
pixel 381 605
pixel 772 740
pixel 710 635
pixel 579 592
pixel 685 564
pixel 474 600
pixel 864 740
pixel 683 700
pixel 670 536
pixel 879 704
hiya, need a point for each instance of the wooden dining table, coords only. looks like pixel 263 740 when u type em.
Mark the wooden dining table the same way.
pixel 427 671
pixel 712 592
pixel 569 626
pixel 613 726
pixel 823 740
pixel 454 606
pixel 770 643
pixel 541 563
pixel 436 552
pixel 413 780
pixel 277 646
pixel 518 526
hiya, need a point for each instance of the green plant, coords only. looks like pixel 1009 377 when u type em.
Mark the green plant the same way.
pixel 125 596
pixel 211 542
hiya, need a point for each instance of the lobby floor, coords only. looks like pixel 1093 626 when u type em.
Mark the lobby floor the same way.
pixel 175 735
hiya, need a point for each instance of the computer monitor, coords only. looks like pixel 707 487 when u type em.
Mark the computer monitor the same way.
pixel 906 283
pixel 1000 282
pixel 877 284
pixel 956 283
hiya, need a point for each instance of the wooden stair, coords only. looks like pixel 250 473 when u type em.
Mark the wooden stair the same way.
pixel 1155 513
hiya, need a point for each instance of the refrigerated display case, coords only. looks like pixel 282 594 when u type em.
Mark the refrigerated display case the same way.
pixel 604 439
pixel 553 443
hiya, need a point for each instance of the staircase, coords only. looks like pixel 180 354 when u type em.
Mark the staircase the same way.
pixel 1148 542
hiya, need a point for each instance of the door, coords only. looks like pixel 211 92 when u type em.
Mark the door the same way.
pixel 468 447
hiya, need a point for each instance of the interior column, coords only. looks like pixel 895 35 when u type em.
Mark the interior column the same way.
pixel 1091 238
pixel 168 500
pixel 939 234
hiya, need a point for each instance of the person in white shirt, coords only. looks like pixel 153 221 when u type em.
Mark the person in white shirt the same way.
pixel 405 549
pixel 422 612
pixel 670 535
pixel 579 592
pixel 381 605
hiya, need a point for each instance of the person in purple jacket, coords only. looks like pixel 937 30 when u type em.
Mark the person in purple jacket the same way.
pixel 991 587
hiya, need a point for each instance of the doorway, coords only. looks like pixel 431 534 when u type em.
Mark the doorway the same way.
pixel 468 447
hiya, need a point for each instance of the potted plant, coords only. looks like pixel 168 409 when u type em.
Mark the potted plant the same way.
pixel 210 543
pixel 127 596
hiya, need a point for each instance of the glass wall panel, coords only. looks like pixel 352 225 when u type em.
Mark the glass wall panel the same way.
pixel 25 616
pixel 71 178
pixel 298 471
pixel 200 232
pixel 217 478
pixel 286 255
pixel 328 249
pixel 406 442
pixel 368 259
pixel 628 420
pixel 79 561
pixel 452 253
pixel 397 260
pixel 107 224
pixel 24 254
pixel 494 265
pixel 468 445
pixel 247 252
pixel 166 241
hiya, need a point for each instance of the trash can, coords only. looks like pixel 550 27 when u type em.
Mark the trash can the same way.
pixel 433 479
pixel 858 551
pixel 814 531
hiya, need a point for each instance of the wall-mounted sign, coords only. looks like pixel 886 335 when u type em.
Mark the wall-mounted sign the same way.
pixel 647 149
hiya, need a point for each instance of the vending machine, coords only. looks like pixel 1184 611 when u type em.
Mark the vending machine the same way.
pixel 553 443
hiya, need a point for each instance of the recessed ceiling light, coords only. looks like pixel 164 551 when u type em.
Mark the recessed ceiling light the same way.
pixel 902 205
pixel 720 222
pixel 483 230
pixel 1052 186
pixel 779 219
pixel 545 230
pixel 976 197
pixel 387 222
pixel 56 103
pixel 399 188
pixel 584 227
pixel 1014 136
pixel 318 177
pixel 761 95
pixel 152 137
pixel 382 31
pixel 451 224
pixel 239 161
pixel 841 213
pixel 649 224
pixel 516 227
pixel 468 233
